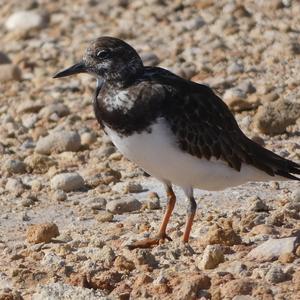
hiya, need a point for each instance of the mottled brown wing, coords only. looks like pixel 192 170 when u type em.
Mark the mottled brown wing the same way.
pixel 205 127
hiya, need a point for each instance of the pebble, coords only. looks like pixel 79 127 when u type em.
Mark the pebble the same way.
pixel 15 186
pixel 88 138
pixel 275 275
pixel 10 72
pixel 221 235
pixel 59 195
pixel 213 255
pixel 29 106
pixel 150 59
pixel 121 263
pixel 123 205
pixel 59 109
pixel 153 201
pixel 132 187
pixel 296 195
pixel 58 142
pixel 236 99
pixel 41 233
pixel 272 249
pixel 273 118
pixel 26 20
pixel 258 205
pixel 67 182
pixel 235 68
pixel 15 166
pixel 104 216
pixel 53 261
pixel 4 59
pixel 39 163
pixel 237 287
pixel 62 291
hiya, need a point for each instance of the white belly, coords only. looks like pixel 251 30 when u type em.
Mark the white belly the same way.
pixel 159 155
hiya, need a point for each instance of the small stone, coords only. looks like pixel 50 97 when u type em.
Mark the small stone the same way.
pixel 191 285
pixel 213 255
pixel 15 186
pixel 275 275
pixel 123 205
pixel 41 233
pixel 107 255
pixel 58 290
pixel 286 258
pixel 59 109
pixel 39 163
pixel 4 59
pixel 235 68
pixel 296 195
pixel 153 201
pixel 88 138
pixel 263 229
pixel 9 72
pixel 144 257
pixel 273 248
pixel 51 260
pixel 58 142
pixel 150 59
pixel 26 20
pixel 97 203
pixel 121 263
pixel 29 106
pixel 67 182
pixel 15 166
pixel 235 98
pixel 223 236
pixel 59 195
pixel 104 216
pixel 237 287
pixel 132 187
pixel 273 118
pixel 258 205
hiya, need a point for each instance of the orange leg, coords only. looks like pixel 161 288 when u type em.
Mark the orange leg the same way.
pixel 161 236
pixel 191 211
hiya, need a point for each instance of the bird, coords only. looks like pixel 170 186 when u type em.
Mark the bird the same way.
pixel 176 130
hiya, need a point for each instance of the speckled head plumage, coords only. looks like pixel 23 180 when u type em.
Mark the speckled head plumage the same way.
pixel 107 58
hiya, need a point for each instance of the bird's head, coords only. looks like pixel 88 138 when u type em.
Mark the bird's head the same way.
pixel 108 59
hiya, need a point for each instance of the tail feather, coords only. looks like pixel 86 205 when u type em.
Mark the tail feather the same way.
pixel 272 163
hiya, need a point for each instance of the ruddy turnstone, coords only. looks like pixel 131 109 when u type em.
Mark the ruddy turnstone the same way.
pixel 177 130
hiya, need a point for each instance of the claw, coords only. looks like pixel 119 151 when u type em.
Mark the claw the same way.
pixel 149 242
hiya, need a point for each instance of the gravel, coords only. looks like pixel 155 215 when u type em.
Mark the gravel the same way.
pixel 248 51
pixel 67 182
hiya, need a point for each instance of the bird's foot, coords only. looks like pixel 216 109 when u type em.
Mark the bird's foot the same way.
pixel 150 242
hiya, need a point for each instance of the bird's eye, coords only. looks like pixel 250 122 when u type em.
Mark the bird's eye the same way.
pixel 102 54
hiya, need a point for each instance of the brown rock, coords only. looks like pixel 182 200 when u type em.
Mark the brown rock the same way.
pixel 274 117
pixel 191 285
pixel 121 263
pixel 39 233
pixel 263 229
pixel 9 72
pixel 212 256
pixel 221 235
pixel 285 258
pixel 237 287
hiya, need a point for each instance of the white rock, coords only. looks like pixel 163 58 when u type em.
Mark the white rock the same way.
pixel 212 256
pixel 296 195
pixel 88 138
pixel 235 68
pixel 273 248
pixel 61 291
pixel 57 108
pixel 123 205
pixel 58 142
pixel 67 182
pixel 15 186
pixel 26 20
pixel 51 260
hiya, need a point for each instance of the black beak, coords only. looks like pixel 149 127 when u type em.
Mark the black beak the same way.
pixel 75 69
